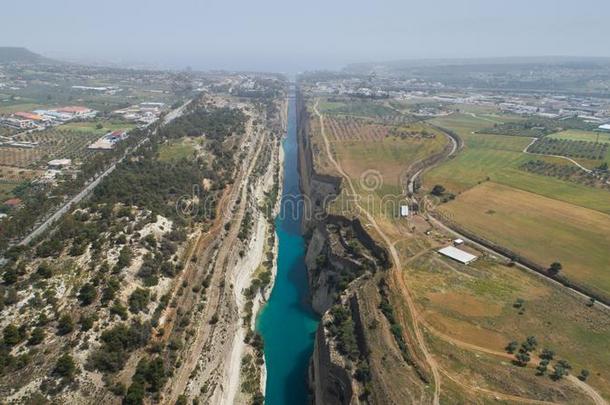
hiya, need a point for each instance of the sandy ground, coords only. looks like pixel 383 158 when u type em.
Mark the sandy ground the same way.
pixel 211 361
pixel 244 276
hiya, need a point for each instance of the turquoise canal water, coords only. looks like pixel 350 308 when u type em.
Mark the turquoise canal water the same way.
pixel 287 322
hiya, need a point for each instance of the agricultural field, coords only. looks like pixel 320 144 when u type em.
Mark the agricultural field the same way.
pixel 377 110
pixel 99 127
pixel 377 160
pixel 183 148
pixel 13 107
pixel 576 135
pixel 499 158
pixel 568 172
pixel 375 156
pixel 11 177
pixel 470 313
pixel 566 147
pixel 542 229
pixel 488 304
pixel 54 143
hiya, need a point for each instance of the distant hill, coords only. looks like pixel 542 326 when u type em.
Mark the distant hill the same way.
pixel 9 54
pixel 473 63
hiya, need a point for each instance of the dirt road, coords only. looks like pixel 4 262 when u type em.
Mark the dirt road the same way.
pixel 213 340
pixel 397 268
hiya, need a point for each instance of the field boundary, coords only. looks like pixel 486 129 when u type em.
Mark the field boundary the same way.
pixel 526 263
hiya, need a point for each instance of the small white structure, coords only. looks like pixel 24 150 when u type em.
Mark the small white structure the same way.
pixel 404 210
pixel 457 242
pixel 58 164
pixel 457 255
pixel 605 127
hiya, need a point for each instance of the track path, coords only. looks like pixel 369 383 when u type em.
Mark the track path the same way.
pixel 396 274
pixel 417 318
pixel 593 394
pixel 534 140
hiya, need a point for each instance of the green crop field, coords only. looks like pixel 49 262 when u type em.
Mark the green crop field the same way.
pixel 356 108
pixel 542 229
pixel 576 135
pixel 176 150
pixel 91 126
pixel 9 108
pixel 498 158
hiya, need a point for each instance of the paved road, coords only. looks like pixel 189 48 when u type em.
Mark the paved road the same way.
pixel 411 183
pixel 91 186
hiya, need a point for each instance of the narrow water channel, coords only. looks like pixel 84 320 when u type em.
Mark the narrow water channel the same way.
pixel 287 322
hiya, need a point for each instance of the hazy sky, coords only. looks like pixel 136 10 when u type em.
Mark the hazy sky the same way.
pixel 290 35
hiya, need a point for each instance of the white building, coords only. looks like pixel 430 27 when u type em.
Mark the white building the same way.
pixel 58 164
pixel 404 210
pixel 457 254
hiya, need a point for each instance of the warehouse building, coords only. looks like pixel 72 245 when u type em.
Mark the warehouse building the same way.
pixel 457 254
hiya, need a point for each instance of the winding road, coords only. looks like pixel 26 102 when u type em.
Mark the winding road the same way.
pixel 417 318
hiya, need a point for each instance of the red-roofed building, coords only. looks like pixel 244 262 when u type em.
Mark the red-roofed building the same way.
pixel 28 116
pixel 13 202
pixel 74 110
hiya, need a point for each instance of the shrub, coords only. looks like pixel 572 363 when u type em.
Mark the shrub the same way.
pixel 65 325
pixel 12 335
pixel 138 300
pixel 36 337
pixel 65 367
pixel 437 190
pixel 87 294
pixel 117 342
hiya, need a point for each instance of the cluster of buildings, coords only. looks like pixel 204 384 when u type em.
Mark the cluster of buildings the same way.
pixel 109 141
pixel 143 113
pixel 39 119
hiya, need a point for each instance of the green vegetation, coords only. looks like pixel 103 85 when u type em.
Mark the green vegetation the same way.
pixel 65 367
pixel 568 172
pixel 117 343
pixel 386 308
pixel 566 147
pixel 577 135
pixel 536 127
pixel 98 127
pixel 149 377
pixel 65 325
pixel 138 300
pixel 539 228
pixel 342 327
pixel 357 108
pixel 87 294
pixel 216 124
pixel 182 148
pixel 499 158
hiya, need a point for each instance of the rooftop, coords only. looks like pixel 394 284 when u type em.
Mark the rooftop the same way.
pixel 457 254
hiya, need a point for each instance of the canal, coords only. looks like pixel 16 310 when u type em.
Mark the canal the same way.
pixel 287 322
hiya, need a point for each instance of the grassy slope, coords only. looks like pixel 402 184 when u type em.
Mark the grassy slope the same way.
pixel 475 304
